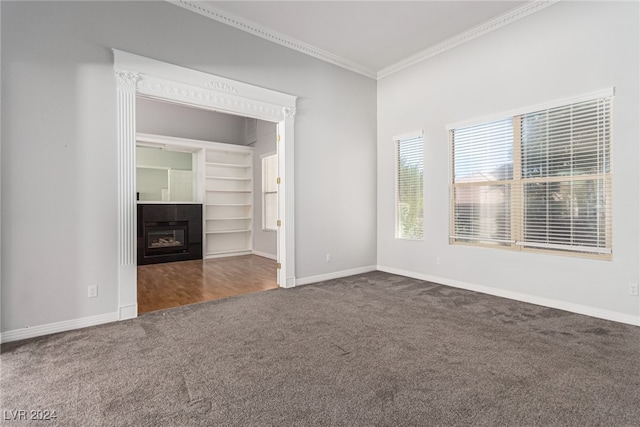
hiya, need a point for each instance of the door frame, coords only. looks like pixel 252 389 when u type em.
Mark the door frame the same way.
pixel 137 75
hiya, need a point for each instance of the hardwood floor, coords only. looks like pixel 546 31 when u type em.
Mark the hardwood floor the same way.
pixel 178 283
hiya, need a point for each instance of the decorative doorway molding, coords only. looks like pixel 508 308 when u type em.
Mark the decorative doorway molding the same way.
pixel 139 76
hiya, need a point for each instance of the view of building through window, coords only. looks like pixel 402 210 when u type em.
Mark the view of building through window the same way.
pixel 539 180
pixel 409 189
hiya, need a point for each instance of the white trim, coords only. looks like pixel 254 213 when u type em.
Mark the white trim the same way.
pixel 573 248
pixel 285 248
pixel 270 153
pixel 136 75
pixel 409 135
pixel 517 296
pixel 264 254
pixel 481 239
pixel 290 282
pixel 68 325
pixel 227 254
pixel 206 9
pixel 52 328
pixel 187 81
pixel 263 192
pixel 185 144
pixel 128 311
pixel 475 32
pixel 603 93
pixel 335 275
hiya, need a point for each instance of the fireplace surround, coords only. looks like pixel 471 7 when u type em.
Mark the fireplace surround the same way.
pixel 169 232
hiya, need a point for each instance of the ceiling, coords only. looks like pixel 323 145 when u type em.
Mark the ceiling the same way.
pixel 373 38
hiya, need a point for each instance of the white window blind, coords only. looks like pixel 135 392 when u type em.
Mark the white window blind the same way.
pixel 483 172
pixel 269 192
pixel 409 187
pixel 539 180
pixel 566 174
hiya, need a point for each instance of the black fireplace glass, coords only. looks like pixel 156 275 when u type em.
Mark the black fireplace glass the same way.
pixel 158 237
pixel 164 238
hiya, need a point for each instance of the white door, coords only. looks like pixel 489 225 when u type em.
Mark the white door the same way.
pixel 180 185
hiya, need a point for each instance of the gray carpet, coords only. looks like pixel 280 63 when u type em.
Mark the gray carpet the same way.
pixel 368 350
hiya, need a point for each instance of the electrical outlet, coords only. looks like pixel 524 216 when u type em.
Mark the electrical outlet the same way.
pixel 92 291
pixel 438 260
pixel 633 289
pixel 328 257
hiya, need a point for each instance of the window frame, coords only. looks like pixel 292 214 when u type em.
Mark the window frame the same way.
pixel 397 140
pixel 518 183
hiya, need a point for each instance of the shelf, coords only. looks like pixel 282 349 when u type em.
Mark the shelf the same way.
pixel 228 165
pixel 227 253
pixel 228 178
pixel 228 219
pixel 244 230
pixel 228 182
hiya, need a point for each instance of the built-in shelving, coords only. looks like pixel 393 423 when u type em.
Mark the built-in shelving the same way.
pixel 223 183
pixel 228 200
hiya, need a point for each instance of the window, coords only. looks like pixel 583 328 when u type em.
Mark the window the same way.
pixel 409 187
pixel 269 192
pixel 539 180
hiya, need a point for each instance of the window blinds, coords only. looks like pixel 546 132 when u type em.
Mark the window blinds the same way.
pixel 540 179
pixel 566 177
pixel 409 188
pixel 482 164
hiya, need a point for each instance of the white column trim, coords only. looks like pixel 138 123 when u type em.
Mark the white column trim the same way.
pixel 288 272
pixel 126 82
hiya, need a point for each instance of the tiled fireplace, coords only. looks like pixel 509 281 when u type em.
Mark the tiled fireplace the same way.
pixel 169 232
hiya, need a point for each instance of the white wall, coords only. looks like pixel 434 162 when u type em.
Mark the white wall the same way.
pixel 167 159
pixel 570 48
pixel 169 119
pixel 263 241
pixel 59 157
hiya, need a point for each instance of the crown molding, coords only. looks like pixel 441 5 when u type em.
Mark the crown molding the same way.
pixel 506 18
pixel 475 32
pixel 250 27
pixel 156 87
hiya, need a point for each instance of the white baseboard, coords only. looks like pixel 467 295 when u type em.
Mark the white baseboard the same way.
pixel 227 254
pixel 335 275
pixel 52 328
pixel 264 254
pixel 128 311
pixel 291 282
pixel 545 302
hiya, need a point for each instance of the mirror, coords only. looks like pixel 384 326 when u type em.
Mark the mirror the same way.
pixel 164 175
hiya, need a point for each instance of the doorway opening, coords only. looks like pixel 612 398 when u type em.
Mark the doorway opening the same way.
pixel 213 213
pixel 140 76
